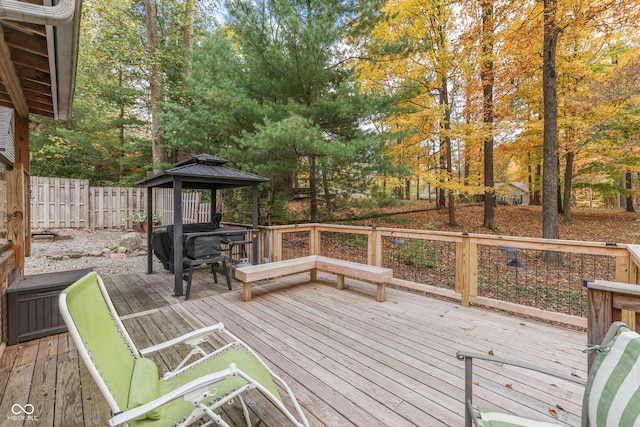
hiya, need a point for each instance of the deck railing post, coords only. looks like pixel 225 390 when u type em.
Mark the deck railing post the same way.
pixel 467 269
pixel 634 263
pixel 266 246
pixel 276 254
pixel 623 275
pixel 599 317
pixel 623 269
pixel 314 240
pixel 374 250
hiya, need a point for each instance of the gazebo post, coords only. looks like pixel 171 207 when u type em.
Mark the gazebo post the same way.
pixel 212 209
pixel 149 230
pixel 177 237
pixel 254 232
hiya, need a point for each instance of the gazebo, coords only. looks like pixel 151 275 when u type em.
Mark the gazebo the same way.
pixel 201 172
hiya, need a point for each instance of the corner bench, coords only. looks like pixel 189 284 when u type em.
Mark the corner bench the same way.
pixel 312 263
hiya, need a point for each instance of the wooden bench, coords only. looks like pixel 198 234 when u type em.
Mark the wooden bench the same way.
pixel 370 273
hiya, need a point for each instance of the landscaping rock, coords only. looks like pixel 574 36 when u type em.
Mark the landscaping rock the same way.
pixel 131 242
pixel 75 254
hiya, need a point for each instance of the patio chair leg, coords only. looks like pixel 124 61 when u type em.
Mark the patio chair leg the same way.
pixel 226 274
pixel 213 271
pixel 215 417
pixel 469 420
pixel 189 277
pixel 245 411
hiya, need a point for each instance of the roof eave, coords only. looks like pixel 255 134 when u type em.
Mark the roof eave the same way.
pixel 65 61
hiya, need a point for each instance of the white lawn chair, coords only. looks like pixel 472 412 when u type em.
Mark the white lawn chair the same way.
pixel 131 384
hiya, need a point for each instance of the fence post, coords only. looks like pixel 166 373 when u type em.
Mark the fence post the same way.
pixel 467 269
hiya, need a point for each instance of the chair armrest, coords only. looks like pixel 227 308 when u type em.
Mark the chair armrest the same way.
pixel 470 415
pixel 239 242
pixel 192 338
pixel 462 355
pixel 193 391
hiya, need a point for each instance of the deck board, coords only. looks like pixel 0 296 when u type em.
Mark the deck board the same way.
pixel 382 359
pixel 378 357
pixel 43 383
pixel 351 361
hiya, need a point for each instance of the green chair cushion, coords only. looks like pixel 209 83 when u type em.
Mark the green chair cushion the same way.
pixel 613 389
pixel 145 386
pixel 491 418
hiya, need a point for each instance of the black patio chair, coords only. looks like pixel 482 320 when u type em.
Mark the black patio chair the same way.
pixel 201 249
pixel 236 248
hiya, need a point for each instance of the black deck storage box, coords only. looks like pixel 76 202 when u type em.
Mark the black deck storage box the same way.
pixel 33 304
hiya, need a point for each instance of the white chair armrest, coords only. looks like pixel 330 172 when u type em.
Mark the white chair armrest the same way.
pixel 188 391
pixel 192 338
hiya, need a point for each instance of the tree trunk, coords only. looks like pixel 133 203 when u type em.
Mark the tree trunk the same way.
pixel 187 35
pixel 536 198
pixel 558 191
pixel 441 200
pixel 629 187
pixel 445 138
pixel 328 201
pixel 155 86
pixel 487 110
pixel 550 227
pixel 121 126
pixel 568 182
pixel 313 189
pixel 187 59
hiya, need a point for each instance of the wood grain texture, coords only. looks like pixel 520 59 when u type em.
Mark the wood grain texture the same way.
pixel 349 360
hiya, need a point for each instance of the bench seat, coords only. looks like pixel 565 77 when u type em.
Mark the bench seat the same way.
pixel 370 273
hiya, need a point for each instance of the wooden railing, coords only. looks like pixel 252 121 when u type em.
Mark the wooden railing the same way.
pixel 515 274
pixel 610 302
pixel 634 257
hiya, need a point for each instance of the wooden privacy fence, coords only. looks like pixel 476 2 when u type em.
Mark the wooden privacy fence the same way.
pixel 193 209
pixel 72 203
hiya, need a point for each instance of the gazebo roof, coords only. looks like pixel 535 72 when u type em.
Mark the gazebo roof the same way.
pixel 203 171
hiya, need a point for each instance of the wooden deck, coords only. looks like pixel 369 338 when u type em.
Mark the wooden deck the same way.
pixel 350 360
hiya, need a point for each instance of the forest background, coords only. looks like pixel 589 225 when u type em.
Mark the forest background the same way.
pixel 360 97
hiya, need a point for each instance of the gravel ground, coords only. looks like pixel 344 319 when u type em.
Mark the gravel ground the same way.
pixel 73 249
